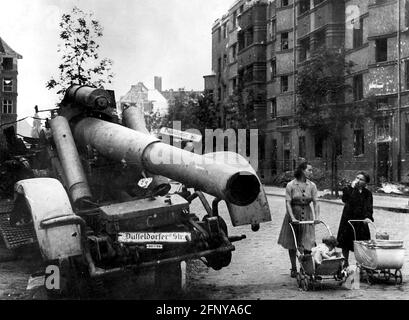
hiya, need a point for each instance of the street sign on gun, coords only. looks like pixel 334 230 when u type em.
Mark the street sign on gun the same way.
pixel 181 134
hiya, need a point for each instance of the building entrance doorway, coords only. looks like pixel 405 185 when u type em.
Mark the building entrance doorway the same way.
pixel 383 161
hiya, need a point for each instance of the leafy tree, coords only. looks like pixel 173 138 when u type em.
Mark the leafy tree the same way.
pixel 80 61
pixel 321 107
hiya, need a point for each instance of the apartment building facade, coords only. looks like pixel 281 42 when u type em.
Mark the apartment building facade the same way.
pixel 8 88
pixel 368 31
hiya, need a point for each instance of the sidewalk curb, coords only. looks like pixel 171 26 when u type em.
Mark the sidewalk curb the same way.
pixel 398 210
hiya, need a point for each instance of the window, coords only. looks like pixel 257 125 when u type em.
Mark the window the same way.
pixel 249 34
pixel 219 65
pixel 240 40
pixel 381 49
pixel 284 83
pixel 286 153
pixel 273 108
pixel 320 39
pixel 7 106
pixel 7 85
pixel 241 9
pixel 305 49
pixel 284 3
pixel 382 129
pixel 224 60
pixel 285 122
pixel 382 103
pixel 272 30
pixel 249 73
pixel 273 68
pixel 358 87
pixel 234 85
pixel 219 34
pixel 219 93
pixel 358 142
pixel 8 63
pixel 284 41
pixel 225 31
pixel 318 142
pixel 406 14
pixel 234 19
pixel 234 51
pixel 302 151
pixel 407 74
pixel 358 34
pixel 304 6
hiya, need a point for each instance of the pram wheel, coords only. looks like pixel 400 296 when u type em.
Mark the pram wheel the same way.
pixel 398 277
pixel 386 274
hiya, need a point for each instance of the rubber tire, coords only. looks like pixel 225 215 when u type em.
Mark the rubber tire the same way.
pixel 220 260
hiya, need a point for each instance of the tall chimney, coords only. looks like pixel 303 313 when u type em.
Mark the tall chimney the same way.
pixel 158 83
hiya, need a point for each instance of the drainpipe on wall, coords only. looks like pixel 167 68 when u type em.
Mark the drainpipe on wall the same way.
pixel 399 95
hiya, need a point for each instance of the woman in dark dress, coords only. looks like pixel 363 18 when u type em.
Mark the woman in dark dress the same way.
pixel 358 206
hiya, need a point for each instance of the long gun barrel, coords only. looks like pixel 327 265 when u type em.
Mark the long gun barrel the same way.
pixel 117 142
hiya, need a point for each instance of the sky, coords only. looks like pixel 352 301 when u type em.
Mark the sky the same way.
pixel 144 38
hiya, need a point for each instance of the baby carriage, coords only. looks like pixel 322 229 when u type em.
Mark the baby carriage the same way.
pixel 310 274
pixel 379 258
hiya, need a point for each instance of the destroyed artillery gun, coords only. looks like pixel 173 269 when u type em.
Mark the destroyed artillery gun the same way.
pixel 106 206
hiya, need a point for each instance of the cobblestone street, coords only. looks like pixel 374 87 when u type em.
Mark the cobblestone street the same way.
pixel 259 267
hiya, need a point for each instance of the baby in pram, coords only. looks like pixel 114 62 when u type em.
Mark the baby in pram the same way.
pixel 325 250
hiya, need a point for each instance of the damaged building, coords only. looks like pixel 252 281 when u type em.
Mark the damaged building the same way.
pixel 263 44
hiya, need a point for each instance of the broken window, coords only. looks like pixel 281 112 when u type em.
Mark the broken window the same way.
pixel 284 41
pixel 358 34
pixel 7 63
pixel 359 142
pixel 284 83
pixel 7 85
pixel 302 151
pixel 7 106
pixel 358 87
pixel 381 50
